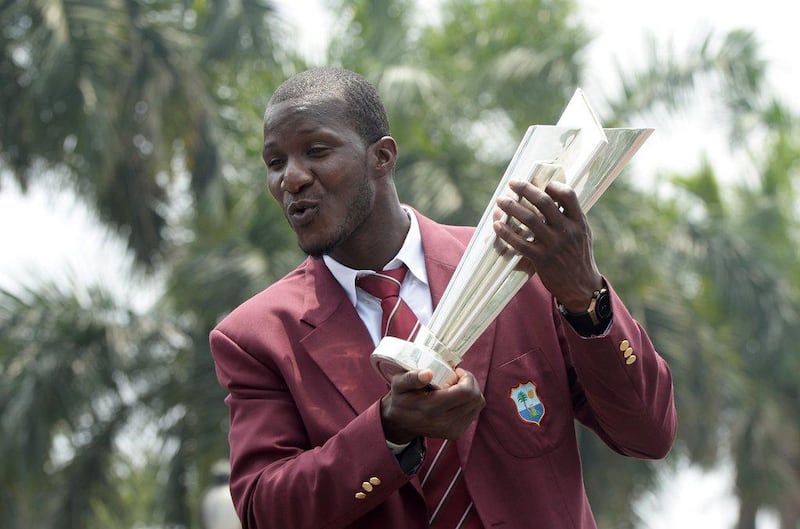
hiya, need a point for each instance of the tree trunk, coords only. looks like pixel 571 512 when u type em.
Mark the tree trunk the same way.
pixel 790 517
pixel 747 515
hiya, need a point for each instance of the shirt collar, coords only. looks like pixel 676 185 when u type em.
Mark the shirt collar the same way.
pixel 410 254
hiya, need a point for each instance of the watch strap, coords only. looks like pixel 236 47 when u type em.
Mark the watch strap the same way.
pixel 595 319
pixel 410 459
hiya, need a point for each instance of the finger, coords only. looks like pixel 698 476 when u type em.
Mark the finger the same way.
pixel 459 419
pixel 523 245
pixel 468 381
pixel 465 377
pixel 523 218
pixel 547 207
pixel 497 213
pixel 472 390
pixel 565 197
pixel 465 395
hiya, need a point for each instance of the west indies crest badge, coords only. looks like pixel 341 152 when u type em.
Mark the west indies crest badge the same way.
pixel 529 406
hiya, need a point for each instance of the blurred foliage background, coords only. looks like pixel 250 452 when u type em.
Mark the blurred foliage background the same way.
pixel 150 112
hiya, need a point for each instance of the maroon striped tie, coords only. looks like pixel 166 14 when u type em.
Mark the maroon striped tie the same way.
pixel 446 494
pixel 398 319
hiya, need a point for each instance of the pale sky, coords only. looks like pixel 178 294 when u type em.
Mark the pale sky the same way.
pixel 47 233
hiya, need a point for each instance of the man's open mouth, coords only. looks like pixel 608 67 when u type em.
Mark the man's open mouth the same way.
pixel 302 212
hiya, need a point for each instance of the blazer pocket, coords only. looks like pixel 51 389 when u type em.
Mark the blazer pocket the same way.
pixel 528 407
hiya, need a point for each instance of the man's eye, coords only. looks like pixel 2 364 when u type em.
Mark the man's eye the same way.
pixel 275 163
pixel 317 151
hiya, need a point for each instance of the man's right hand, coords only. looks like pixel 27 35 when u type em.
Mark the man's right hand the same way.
pixel 413 409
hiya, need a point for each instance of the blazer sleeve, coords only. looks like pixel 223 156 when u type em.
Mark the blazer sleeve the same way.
pixel 279 480
pixel 621 387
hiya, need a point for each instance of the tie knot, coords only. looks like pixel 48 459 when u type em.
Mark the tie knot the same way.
pixel 384 284
pixel 397 318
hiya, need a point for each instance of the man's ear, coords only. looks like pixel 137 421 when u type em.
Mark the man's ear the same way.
pixel 384 152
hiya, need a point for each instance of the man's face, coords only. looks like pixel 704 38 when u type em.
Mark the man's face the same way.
pixel 317 170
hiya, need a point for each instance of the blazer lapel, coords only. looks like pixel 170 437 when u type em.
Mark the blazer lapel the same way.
pixel 338 341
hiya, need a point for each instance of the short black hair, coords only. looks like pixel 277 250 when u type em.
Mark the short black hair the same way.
pixel 365 111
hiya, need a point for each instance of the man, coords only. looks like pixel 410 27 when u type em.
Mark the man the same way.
pixel 318 439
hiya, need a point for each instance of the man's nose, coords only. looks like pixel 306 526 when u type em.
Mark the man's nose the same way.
pixel 296 176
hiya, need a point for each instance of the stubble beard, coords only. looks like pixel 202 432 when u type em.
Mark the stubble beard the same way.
pixel 357 212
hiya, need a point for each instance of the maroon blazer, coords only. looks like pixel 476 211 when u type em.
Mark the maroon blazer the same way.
pixel 305 431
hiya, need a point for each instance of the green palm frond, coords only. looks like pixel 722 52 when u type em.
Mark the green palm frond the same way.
pixel 106 90
pixel 729 69
pixel 75 367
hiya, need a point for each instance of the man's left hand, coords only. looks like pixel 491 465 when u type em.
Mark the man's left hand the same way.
pixel 561 243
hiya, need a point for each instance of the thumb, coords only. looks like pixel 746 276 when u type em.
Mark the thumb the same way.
pixel 412 380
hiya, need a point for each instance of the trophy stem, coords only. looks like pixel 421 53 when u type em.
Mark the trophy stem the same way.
pixel 474 295
pixel 484 304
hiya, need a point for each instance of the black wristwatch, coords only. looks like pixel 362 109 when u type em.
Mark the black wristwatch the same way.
pixel 411 458
pixel 595 319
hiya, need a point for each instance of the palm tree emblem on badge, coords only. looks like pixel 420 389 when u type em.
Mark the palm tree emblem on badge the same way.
pixel 529 406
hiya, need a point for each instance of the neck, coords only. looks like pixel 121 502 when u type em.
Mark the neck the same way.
pixel 379 242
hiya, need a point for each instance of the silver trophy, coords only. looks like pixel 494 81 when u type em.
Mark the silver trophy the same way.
pixel 578 151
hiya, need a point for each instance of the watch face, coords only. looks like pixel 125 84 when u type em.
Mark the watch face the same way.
pixel 602 307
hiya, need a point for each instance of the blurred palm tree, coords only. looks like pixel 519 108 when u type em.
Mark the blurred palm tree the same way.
pixel 77 371
pixel 742 240
pixel 111 93
pixel 726 256
pixel 133 104
pixel 642 231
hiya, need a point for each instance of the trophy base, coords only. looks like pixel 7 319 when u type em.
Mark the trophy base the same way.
pixel 393 356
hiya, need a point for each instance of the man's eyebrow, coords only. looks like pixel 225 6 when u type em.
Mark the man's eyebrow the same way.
pixel 305 131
